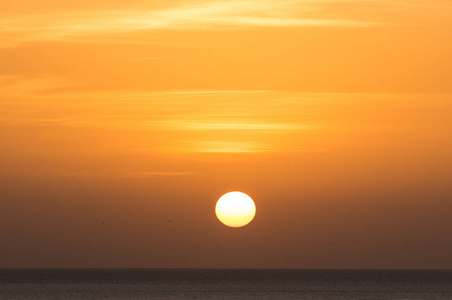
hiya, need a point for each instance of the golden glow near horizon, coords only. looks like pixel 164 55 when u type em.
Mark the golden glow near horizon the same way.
pixel 235 209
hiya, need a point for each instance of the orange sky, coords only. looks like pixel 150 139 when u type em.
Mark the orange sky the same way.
pixel 118 116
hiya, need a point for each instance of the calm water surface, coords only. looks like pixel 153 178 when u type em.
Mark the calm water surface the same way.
pixel 225 284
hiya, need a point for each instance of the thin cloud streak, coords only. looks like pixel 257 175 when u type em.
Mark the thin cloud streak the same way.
pixel 205 16
pixel 80 109
pixel 156 173
pixel 214 121
pixel 191 125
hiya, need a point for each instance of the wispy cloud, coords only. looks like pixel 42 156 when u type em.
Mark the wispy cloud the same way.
pixel 16 28
pixel 202 16
pixel 215 121
pixel 194 121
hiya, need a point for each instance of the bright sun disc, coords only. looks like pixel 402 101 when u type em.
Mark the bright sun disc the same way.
pixel 235 209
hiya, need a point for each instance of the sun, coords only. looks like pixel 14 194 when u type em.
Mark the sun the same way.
pixel 235 209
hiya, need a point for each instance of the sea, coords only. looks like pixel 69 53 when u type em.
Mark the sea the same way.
pixel 224 284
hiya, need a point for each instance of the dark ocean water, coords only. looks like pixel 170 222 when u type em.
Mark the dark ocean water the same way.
pixel 225 284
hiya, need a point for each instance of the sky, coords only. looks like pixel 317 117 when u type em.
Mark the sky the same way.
pixel 123 122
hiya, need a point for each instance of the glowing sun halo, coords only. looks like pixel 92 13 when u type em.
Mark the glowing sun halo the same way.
pixel 235 209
